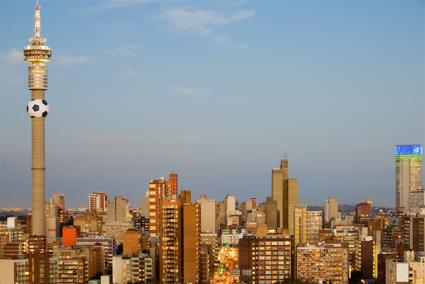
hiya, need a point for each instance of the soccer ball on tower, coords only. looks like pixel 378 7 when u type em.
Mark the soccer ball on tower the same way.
pixel 37 108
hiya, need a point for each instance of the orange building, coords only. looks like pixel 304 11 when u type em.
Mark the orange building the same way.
pixel 191 229
pixel 173 184
pixel 131 243
pixel 69 236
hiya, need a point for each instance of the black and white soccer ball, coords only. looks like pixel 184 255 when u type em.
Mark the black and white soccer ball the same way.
pixel 38 108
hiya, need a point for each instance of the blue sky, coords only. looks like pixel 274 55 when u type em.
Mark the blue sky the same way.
pixel 217 91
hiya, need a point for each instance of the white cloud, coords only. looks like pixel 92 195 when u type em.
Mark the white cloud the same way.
pixel 66 60
pixel 205 23
pixel 125 50
pixel 187 90
pixel 202 21
pixel 13 57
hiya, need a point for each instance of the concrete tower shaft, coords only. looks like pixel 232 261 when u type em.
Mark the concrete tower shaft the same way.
pixel 38 54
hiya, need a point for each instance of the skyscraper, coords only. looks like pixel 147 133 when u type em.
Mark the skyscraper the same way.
pixel 285 192
pixel 408 176
pixel 38 54
pixel 331 209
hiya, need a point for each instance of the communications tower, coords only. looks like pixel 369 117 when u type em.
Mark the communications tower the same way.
pixel 37 54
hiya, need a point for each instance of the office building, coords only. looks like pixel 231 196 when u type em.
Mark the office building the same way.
pixel 414 232
pixel 322 263
pixel 314 225
pixel 271 214
pixel 264 258
pixel 208 214
pixel 300 224
pixel 364 211
pixel 285 193
pixel 366 257
pixel 97 202
pixel 70 266
pixel 408 176
pixel 331 210
pixel 118 210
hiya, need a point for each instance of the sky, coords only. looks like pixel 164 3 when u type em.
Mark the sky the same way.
pixel 217 91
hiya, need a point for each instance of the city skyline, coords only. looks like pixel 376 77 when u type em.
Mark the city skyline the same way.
pixel 221 130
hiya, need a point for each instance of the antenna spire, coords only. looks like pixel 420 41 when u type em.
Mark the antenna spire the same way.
pixel 37 25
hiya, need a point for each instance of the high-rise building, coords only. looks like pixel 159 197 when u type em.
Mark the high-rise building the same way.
pixel 414 232
pixel 190 240
pixel 232 214
pixel 169 242
pixel 246 208
pixel 173 184
pixel 97 202
pixel 408 176
pixel 38 258
pixel 331 210
pixel 208 257
pixel 157 190
pixel 70 266
pixel 364 211
pixel 265 258
pixel 324 263
pixel 314 225
pixel 300 224
pixel 208 214
pixel 118 210
pixel 366 258
pixel 270 210
pixel 285 192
